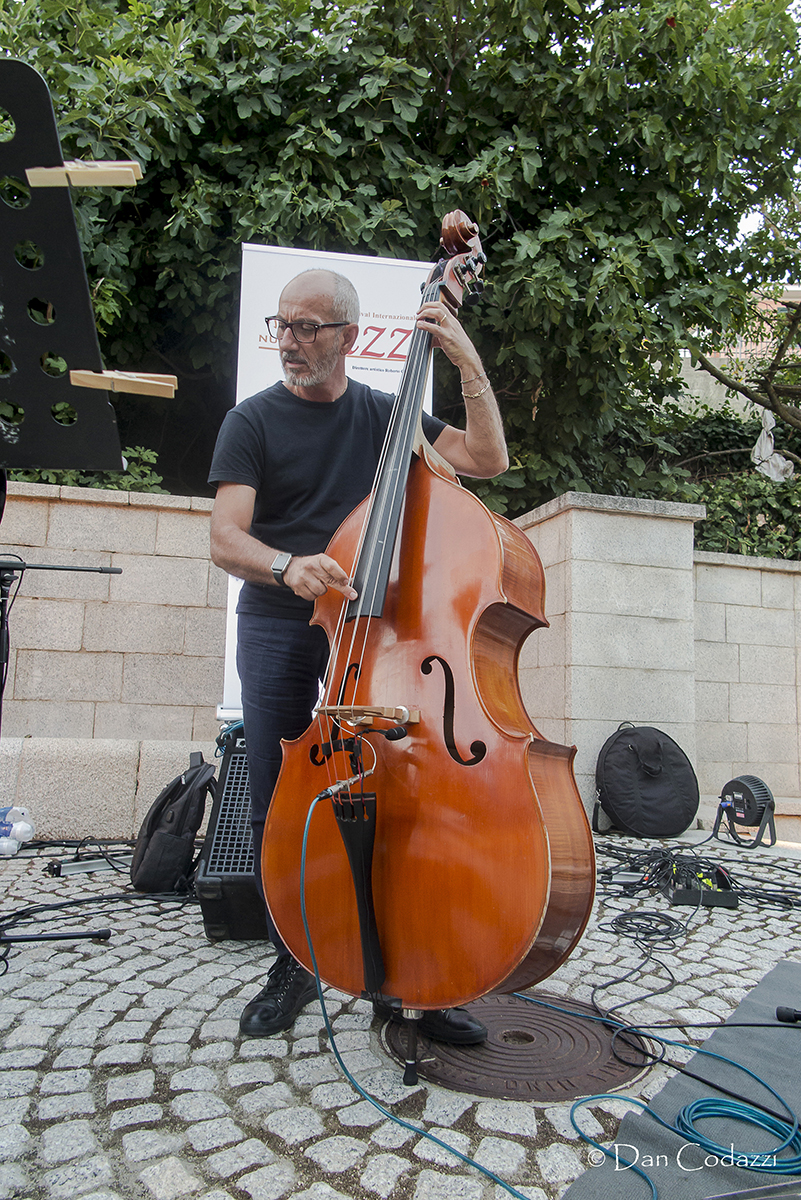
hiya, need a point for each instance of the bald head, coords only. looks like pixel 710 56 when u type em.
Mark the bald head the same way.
pixel 326 287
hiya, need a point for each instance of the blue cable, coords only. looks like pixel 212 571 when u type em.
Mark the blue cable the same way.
pixel 765 1161
pixel 685 1121
pixel 384 1111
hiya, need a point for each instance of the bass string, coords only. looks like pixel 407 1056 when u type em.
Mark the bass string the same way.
pixel 404 414
pixel 402 423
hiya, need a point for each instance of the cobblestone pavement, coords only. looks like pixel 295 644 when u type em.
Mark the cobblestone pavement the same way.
pixel 123 1074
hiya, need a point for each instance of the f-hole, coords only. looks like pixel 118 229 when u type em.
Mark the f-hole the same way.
pixel 340 740
pixel 353 670
pixel 477 749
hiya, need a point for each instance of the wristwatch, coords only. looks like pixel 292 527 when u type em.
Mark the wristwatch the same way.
pixel 279 565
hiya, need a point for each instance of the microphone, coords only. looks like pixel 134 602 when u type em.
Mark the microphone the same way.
pixel 788 1015
pixel 395 735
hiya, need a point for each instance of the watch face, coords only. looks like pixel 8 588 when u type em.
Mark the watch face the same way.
pixel 280 564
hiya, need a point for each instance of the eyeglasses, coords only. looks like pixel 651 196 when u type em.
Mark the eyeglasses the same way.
pixel 302 331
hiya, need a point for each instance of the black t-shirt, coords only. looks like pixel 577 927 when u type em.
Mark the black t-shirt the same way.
pixel 310 464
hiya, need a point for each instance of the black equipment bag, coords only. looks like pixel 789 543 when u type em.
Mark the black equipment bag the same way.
pixel 165 849
pixel 645 783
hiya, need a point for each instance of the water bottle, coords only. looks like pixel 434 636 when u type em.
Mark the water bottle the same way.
pixel 16 827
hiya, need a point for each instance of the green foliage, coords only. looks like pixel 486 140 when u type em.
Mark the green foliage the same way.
pixel 608 152
pixel 138 476
pixel 749 514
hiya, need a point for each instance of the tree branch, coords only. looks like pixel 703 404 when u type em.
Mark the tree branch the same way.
pixel 728 382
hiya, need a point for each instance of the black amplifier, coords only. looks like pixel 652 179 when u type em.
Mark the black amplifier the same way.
pixel 225 883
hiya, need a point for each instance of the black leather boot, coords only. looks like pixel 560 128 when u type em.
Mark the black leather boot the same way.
pixel 455 1026
pixel 288 989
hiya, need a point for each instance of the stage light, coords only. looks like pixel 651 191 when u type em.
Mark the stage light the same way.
pixel 747 801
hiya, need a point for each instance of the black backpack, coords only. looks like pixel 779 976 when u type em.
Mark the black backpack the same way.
pixel 165 849
pixel 645 783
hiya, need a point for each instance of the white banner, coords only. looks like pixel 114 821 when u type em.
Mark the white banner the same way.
pixel 389 294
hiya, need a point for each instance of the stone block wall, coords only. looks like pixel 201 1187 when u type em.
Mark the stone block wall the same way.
pixel 747 657
pixel 136 656
pixel 114 679
pixel 706 647
pixel 619 600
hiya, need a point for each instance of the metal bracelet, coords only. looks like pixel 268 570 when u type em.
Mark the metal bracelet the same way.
pixel 473 378
pixel 475 395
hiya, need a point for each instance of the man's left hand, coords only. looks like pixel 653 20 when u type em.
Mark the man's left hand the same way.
pixel 447 333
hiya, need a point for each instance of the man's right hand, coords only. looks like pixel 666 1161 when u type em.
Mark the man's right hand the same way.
pixel 311 575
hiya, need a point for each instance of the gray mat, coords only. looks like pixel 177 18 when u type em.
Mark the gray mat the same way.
pixel 773 1054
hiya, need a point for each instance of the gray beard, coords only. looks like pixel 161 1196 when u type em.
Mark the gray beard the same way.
pixel 313 378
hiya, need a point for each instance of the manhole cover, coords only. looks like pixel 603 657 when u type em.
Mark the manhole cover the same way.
pixel 531 1053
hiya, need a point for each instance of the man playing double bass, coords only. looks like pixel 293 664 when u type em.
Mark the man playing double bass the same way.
pixel 290 464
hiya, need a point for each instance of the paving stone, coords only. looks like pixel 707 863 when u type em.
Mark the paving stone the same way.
pixel 391 1135
pixel 86 1176
pixel 353 1039
pixel 15 1141
pixel 136 1086
pixel 103 1194
pixel 72 1059
pixel 311 1071
pixel 29 1035
pixel 383 1172
pixel 78 1035
pixel 533 1193
pixel 29 1056
pixel 308 1024
pixel 320 1191
pixel 199 1106
pixel 17 1083
pixel 146 1144
pixel 559 1118
pixel 265 1099
pixel 217 1052
pixel 443 1108
pixel 363 1114
pixel 333 1095
pixel 179 1033
pixel 559 1164
pixel 433 1186
pixel 127 1031
pixel 430 1151
pixel 140 1114
pixel 169 1179
pixel 264 1047
pixel 507 1116
pixel 353 1020
pixel 251 1072
pixel 195 1079
pixel 336 1154
pixel 13 1180
pixel 210 1135
pixel 55 1108
pixel 290 1086
pixel 219 1030
pixel 239 1158
pixel 294 1125
pixel 309 1045
pixel 387 1085
pixel 268 1183
pixel 63 1082
pixel 501 1156
pixel 357 1061
pixel 172 1055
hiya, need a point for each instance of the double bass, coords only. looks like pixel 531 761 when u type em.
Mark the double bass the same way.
pixel 448 854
